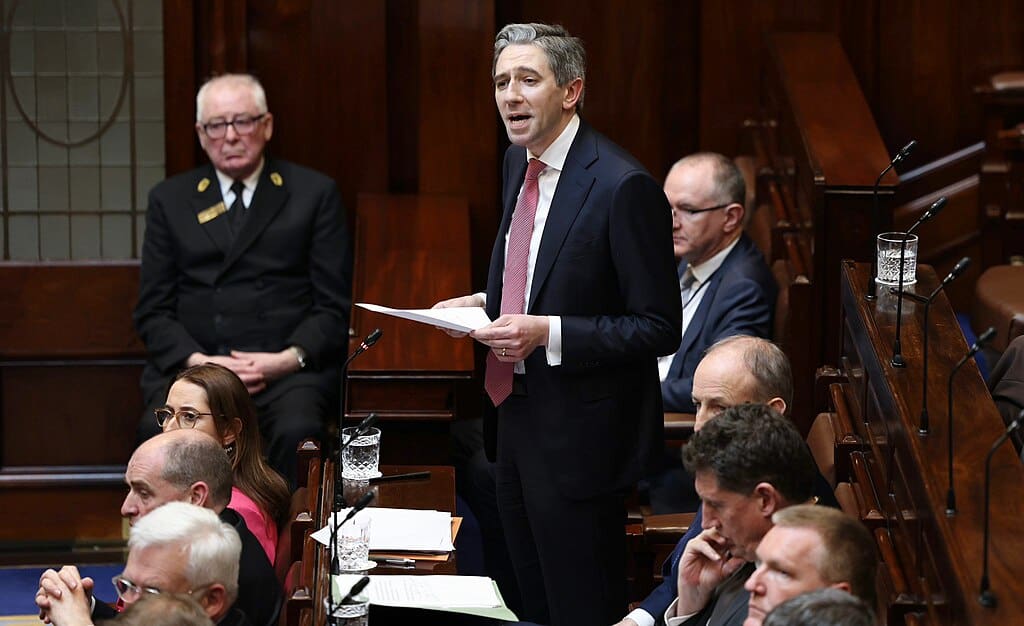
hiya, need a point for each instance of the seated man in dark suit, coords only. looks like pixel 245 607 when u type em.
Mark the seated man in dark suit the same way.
pixel 749 462
pixel 179 549
pixel 808 548
pixel 734 371
pixel 247 263
pixel 726 286
pixel 190 466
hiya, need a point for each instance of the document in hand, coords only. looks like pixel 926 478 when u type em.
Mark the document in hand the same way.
pixel 405 530
pixel 461 319
pixel 476 595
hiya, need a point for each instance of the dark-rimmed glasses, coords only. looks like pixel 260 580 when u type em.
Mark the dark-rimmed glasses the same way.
pixel 242 126
pixel 679 213
pixel 187 418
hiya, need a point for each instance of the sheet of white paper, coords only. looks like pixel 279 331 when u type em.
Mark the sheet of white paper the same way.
pixel 425 592
pixel 401 530
pixel 461 319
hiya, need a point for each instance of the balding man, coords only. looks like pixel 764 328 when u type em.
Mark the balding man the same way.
pixel 736 370
pixel 179 549
pixel 726 286
pixel 190 466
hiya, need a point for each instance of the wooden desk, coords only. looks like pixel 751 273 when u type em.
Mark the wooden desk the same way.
pixel 933 561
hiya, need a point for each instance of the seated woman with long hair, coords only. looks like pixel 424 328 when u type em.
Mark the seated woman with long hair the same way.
pixel 211 398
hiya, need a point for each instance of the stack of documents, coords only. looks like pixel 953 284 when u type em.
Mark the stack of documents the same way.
pixel 460 594
pixel 402 530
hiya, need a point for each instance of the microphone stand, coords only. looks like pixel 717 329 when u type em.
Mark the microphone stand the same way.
pixel 364 345
pixel 958 269
pixel 903 153
pixel 364 426
pixel 982 340
pixel 897 350
pixel 335 563
pixel 987 597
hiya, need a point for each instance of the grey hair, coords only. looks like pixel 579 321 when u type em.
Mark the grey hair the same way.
pixel 566 54
pixel 213 547
pixel 188 460
pixel 729 186
pixel 823 607
pixel 766 362
pixel 246 81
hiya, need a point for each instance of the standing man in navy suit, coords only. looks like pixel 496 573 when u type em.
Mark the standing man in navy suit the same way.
pixel 247 263
pixel 584 295
pixel 726 286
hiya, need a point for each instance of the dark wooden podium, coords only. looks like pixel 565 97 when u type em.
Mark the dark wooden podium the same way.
pixel 932 562
pixel 411 251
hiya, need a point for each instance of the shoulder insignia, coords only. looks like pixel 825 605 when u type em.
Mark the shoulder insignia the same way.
pixel 203 184
pixel 216 210
pixel 276 179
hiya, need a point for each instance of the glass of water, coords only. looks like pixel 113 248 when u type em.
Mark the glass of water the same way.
pixel 354 544
pixel 889 245
pixel 360 458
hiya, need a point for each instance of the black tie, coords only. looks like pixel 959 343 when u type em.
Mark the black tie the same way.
pixel 237 213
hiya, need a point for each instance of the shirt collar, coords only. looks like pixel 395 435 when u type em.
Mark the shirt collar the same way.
pixel 704 271
pixel 249 181
pixel 554 156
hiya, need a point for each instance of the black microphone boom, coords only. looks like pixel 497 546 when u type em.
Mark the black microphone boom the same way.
pixel 984 338
pixel 897 349
pixel 953 274
pixel 903 153
pixel 986 597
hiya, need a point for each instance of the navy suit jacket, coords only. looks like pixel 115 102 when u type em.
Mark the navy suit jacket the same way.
pixel 739 300
pixel 605 265
pixel 286 279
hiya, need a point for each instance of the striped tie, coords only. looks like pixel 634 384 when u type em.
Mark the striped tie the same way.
pixel 498 379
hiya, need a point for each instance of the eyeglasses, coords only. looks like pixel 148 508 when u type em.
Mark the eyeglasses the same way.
pixel 130 592
pixel 242 126
pixel 680 213
pixel 186 418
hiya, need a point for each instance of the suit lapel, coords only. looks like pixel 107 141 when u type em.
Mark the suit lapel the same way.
pixel 217 228
pixel 733 599
pixel 574 184
pixel 267 202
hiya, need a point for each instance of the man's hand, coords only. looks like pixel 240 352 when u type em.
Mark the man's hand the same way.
pixel 705 563
pixel 56 586
pixel 514 337
pixel 271 365
pixel 462 301
pixel 244 368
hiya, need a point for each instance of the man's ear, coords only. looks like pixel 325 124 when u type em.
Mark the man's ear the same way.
pixel 734 217
pixel 842 586
pixel 769 500
pixel 573 93
pixel 199 493
pixel 215 601
pixel 778 404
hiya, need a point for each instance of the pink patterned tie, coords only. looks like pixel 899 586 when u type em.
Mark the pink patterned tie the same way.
pixel 498 379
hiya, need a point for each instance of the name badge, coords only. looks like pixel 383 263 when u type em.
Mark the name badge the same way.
pixel 206 215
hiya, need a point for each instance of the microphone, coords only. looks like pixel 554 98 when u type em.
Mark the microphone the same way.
pixel 901 155
pixel 364 345
pixel 957 270
pixel 984 338
pixel 356 589
pixel 933 210
pixel 987 597
pixel 358 506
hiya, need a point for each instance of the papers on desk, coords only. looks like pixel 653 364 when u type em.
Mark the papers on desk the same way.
pixel 461 319
pixel 475 595
pixel 403 530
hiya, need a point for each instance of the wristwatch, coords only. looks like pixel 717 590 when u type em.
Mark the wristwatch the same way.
pixel 300 356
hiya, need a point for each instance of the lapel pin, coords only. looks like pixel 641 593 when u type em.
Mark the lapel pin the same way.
pixel 276 179
pixel 206 215
pixel 203 184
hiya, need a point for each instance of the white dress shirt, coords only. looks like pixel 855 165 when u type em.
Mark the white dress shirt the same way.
pixel 247 193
